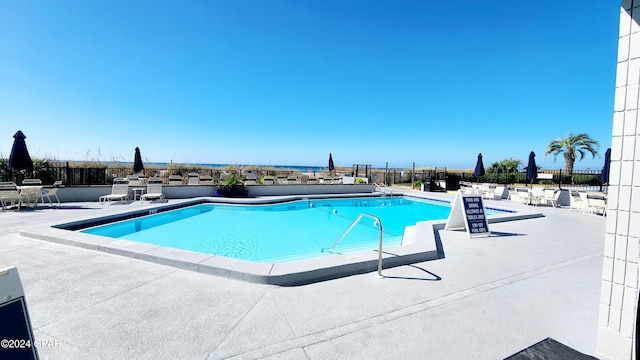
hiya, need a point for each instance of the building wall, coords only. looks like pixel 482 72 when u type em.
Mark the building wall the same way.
pixel 619 295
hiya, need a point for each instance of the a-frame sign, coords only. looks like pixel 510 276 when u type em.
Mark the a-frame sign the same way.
pixel 467 212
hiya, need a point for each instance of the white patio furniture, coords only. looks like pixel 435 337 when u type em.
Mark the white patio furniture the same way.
pixel 119 191
pixel 154 190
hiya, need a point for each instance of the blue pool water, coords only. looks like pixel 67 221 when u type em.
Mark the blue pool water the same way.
pixel 277 232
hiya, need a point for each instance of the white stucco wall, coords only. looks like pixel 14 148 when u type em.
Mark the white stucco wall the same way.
pixel 619 294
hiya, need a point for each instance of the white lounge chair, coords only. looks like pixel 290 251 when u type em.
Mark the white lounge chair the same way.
pixel 551 197
pixel 175 180
pixel 523 195
pixel 596 204
pixel 576 201
pixel 268 180
pixel 205 180
pixel 119 191
pixel 251 179
pixel 488 191
pixel 154 190
pixel 494 192
pixel 135 180
pixel 193 179
pixel 9 195
pixel 537 196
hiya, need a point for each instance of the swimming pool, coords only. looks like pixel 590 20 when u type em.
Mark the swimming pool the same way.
pixel 282 232
pixel 421 242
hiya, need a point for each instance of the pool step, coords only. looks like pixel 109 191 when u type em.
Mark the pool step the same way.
pixel 409 236
pixel 423 230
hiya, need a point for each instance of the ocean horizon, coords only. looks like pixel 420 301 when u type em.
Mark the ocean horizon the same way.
pixel 299 168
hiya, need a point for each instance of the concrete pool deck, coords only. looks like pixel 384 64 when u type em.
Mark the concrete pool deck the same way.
pixel 422 244
pixel 486 298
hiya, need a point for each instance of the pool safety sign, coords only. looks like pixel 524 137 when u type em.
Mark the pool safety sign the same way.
pixel 468 212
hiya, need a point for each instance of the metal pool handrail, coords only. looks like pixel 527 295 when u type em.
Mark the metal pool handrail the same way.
pixel 380 246
pixel 383 189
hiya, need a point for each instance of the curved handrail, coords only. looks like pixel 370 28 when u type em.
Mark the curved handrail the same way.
pixel 383 189
pixel 375 218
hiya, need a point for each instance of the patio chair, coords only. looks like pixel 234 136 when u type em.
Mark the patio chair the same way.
pixel 551 197
pixel 193 179
pixel 251 179
pixel 205 180
pixel 31 191
pixel 9 195
pixel 498 192
pixel 29 182
pixel 537 196
pixel 134 180
pixel 494 192
pixel 488 191
pixel 268 180
pixel 48 193
pixel 293 180
pixel 576 201
pixel 154 190
pixel 119 191
pixel 523 195
pixel 596 204
pixel 175 180
pixel 312 180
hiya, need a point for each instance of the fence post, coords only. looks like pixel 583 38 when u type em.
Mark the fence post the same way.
pixel 386 173
pixel 413 174
pixel 560 182
pixel 67 183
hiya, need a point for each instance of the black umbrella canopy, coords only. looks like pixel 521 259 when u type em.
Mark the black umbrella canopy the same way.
pixel 19 158
pixel 606 168
pixel 137 162
pixel 331 166
pixel 479 171
pixel 532 168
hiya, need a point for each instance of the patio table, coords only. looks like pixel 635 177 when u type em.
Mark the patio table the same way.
pixel 31 193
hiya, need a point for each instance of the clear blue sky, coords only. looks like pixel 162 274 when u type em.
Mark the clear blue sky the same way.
pixel 287 82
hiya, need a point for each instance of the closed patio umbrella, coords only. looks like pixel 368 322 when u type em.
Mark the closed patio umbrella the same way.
pixel 532 169
pixel 137 162
pixel 331 166
pixel 479 170
pixel 604 177
pixel 19 158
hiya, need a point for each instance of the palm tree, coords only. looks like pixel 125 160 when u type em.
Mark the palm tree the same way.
pixel 572 145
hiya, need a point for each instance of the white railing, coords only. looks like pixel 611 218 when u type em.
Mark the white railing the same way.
pixel 354 223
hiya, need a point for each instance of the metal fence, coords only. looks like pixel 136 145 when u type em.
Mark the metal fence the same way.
pixel 72 175
pixel 579 179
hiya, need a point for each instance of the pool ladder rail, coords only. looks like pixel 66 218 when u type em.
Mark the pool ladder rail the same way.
pixel 353 224
pixel 384 189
